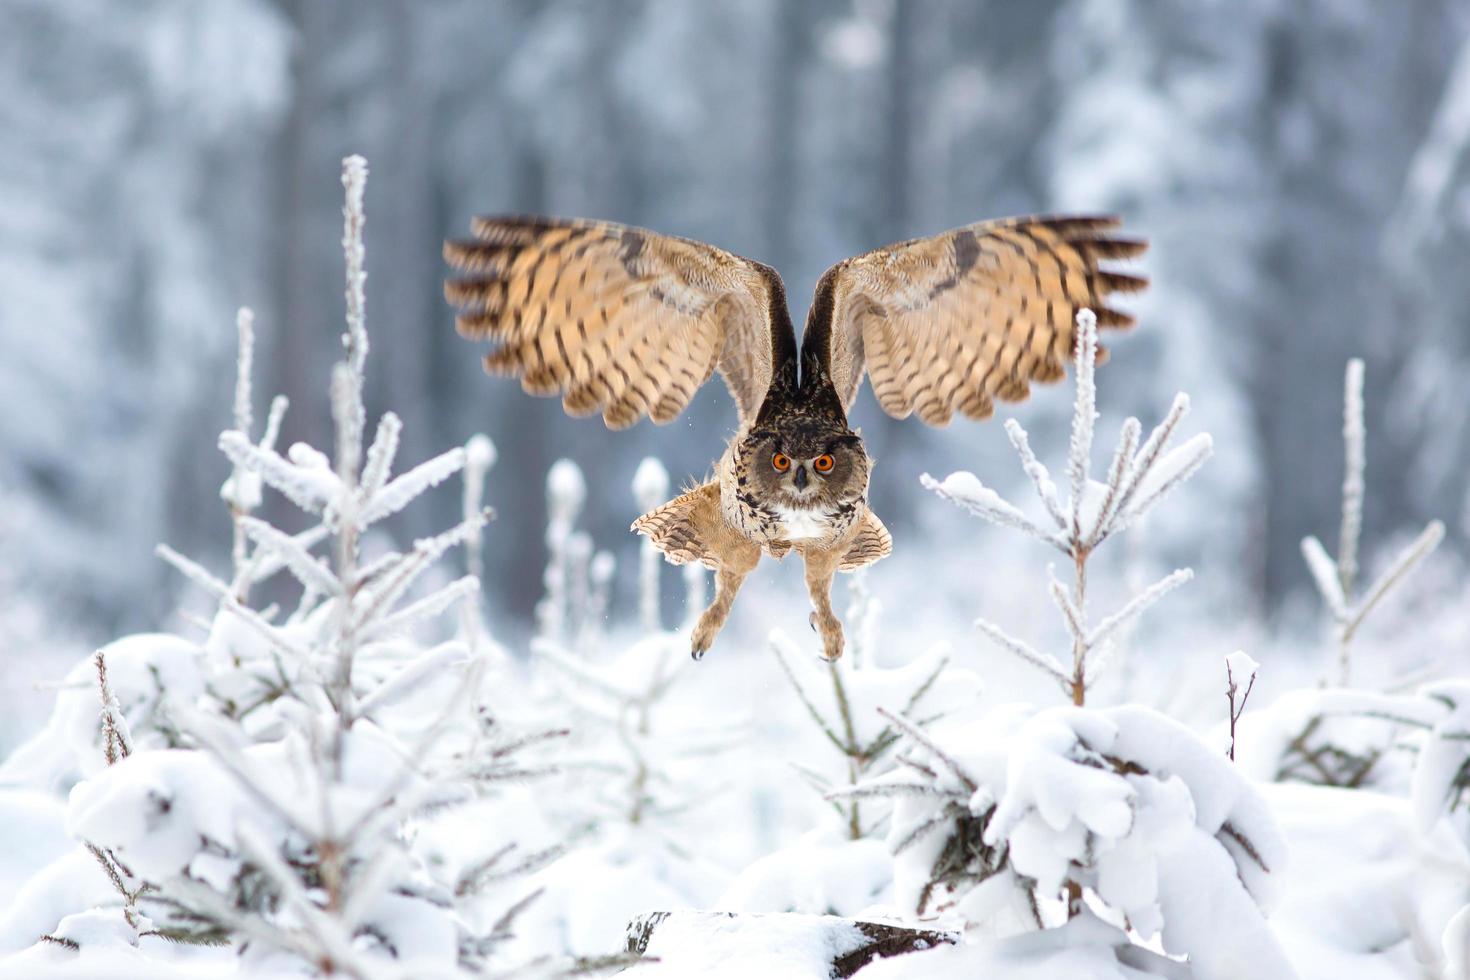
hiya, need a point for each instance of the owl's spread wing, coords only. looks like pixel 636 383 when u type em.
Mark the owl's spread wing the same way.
pixel 617 319
pixel 951 322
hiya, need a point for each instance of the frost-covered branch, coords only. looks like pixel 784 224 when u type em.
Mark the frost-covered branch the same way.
pixel 1355 461
pixel 1042 661
pixel 696 580
pixel 1239 669
pixel 966 490
pixel 1336 580
pixel 479 459
pixel 117 742
pixel 566 491
pixel 650 490
pixel 1084 416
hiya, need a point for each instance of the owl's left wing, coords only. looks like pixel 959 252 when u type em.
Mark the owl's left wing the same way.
pixel 951 322
pixel 619 320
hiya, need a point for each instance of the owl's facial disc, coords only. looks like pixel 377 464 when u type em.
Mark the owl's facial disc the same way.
pixel 805 466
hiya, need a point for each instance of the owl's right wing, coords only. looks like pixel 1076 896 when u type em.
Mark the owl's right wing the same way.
pixel 952 322
pixel 619 320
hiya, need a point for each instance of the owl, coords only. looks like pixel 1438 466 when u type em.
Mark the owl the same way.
pixel 627 322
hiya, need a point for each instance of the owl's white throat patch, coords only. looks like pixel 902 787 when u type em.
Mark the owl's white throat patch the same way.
pixel 802 524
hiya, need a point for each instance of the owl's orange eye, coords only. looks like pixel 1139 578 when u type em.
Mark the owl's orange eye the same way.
pixel 781 462
pixel 824 463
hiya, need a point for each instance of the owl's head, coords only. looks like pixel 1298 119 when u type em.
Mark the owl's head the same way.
pixel 805 464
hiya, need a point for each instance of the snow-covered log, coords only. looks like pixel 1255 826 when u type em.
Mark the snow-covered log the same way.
pixel 790 946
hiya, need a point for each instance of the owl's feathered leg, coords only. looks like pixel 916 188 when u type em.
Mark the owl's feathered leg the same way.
pixel 691 527
pixel 735 564
pixel 820 567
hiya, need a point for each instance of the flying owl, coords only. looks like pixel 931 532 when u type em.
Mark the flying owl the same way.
pixel 628 323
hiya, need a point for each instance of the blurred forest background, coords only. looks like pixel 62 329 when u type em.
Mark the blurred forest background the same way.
pixel 1302 169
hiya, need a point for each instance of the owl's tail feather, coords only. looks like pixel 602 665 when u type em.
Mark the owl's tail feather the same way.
pixel 684 527
pixel 871 543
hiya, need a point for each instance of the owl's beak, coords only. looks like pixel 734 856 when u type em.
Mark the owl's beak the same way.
pixel 799 477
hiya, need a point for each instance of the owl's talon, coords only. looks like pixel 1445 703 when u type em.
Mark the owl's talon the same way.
pixel 832 639
pixel 812 622
pixel 703 638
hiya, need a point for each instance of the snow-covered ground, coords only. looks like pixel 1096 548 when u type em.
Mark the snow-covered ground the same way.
pixel 337 763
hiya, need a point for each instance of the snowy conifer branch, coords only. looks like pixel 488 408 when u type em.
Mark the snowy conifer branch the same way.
pixel 354 180
pixel 265 563
pixel 402 490
pixel 917 734
pixel 1153 447
pixel 1324 574
pixel 1042 661
pixel 425 608
pixel 378 598
pixel 1355 460
pixel 197 574
pixel 273 420
pixel 1336 580
pixel 305 487
pixel 1071 615
pixel 117 741
pixel 786 652
pixel 245 326
pixel 1136 606
pixel 1037 471
pixel 380 455
pixel 479 458
pixel 310 571
pixel 884 789
pixel 1171 470
pixel 1122 458
pixel 650 489
pixel 1415 552
pixel 923 827
pixel 968 492
pixel 1084 415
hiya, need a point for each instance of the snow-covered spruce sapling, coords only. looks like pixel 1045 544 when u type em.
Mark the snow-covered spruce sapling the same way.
pixel 1239 669
pixel 566 492
pixel 1138 478
pixel 926 689
pixel 650 489
pixel 1336 581
pixel 1000 817
pixel 116 745
pixel 479 459
pixel 320 741
pixel 618 703
pixel 623 736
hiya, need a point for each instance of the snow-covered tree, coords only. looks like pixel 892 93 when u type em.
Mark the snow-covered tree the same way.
pixel 1137 479
pixel 279 790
